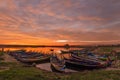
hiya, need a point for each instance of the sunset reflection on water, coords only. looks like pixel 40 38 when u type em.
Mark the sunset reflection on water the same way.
pixel 45 50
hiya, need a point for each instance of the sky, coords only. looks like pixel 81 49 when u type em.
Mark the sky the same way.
pixel 54 22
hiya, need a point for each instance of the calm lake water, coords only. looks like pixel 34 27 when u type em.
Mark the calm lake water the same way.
pixel 45 50
pixel 41 49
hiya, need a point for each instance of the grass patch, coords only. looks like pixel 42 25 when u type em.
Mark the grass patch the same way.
pixel 19 72
pixel 1 56
pixel 118 55
pixel 96 75
pixel 106 49
pixel 1 53
pixel 28 73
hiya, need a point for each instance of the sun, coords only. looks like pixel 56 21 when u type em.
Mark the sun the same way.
pixel 61 40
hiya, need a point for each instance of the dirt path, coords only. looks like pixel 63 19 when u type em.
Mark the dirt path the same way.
pixel 108 69
pixel 8 58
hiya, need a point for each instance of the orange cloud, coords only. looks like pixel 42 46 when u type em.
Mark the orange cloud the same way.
pixel 47 21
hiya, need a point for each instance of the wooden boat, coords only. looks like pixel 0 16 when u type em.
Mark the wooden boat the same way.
pixel 85 62
pixel 16 52
pixel 57 65
pixel 84 57
pixel 34 59
pixel 30 57
pixel 92 57
pixel 87 55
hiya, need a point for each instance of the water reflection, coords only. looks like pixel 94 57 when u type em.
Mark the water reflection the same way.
pixel 41 49
pixel 45 50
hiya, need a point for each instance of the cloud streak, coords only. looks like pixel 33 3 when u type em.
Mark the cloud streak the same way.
pixel 77 21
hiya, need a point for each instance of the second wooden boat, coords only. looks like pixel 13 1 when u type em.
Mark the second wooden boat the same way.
pixel 34 59
pixel 57 65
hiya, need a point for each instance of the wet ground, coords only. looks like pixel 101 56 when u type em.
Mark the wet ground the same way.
pixel 46 66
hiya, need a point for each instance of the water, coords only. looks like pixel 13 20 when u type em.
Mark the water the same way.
pixel 40 49
pixel 45 50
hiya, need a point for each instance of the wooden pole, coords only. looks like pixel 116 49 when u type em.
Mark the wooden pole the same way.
pixel 2 50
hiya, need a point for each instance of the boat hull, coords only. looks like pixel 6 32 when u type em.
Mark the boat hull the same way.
pixel 57 65
pixel 54 69
pixel 74 65
pixel 30 61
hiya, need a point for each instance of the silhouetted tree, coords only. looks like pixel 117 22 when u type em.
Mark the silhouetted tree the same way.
pixel 66 46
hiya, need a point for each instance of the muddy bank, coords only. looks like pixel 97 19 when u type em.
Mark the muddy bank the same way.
pixel 46 66
pixel 8 58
